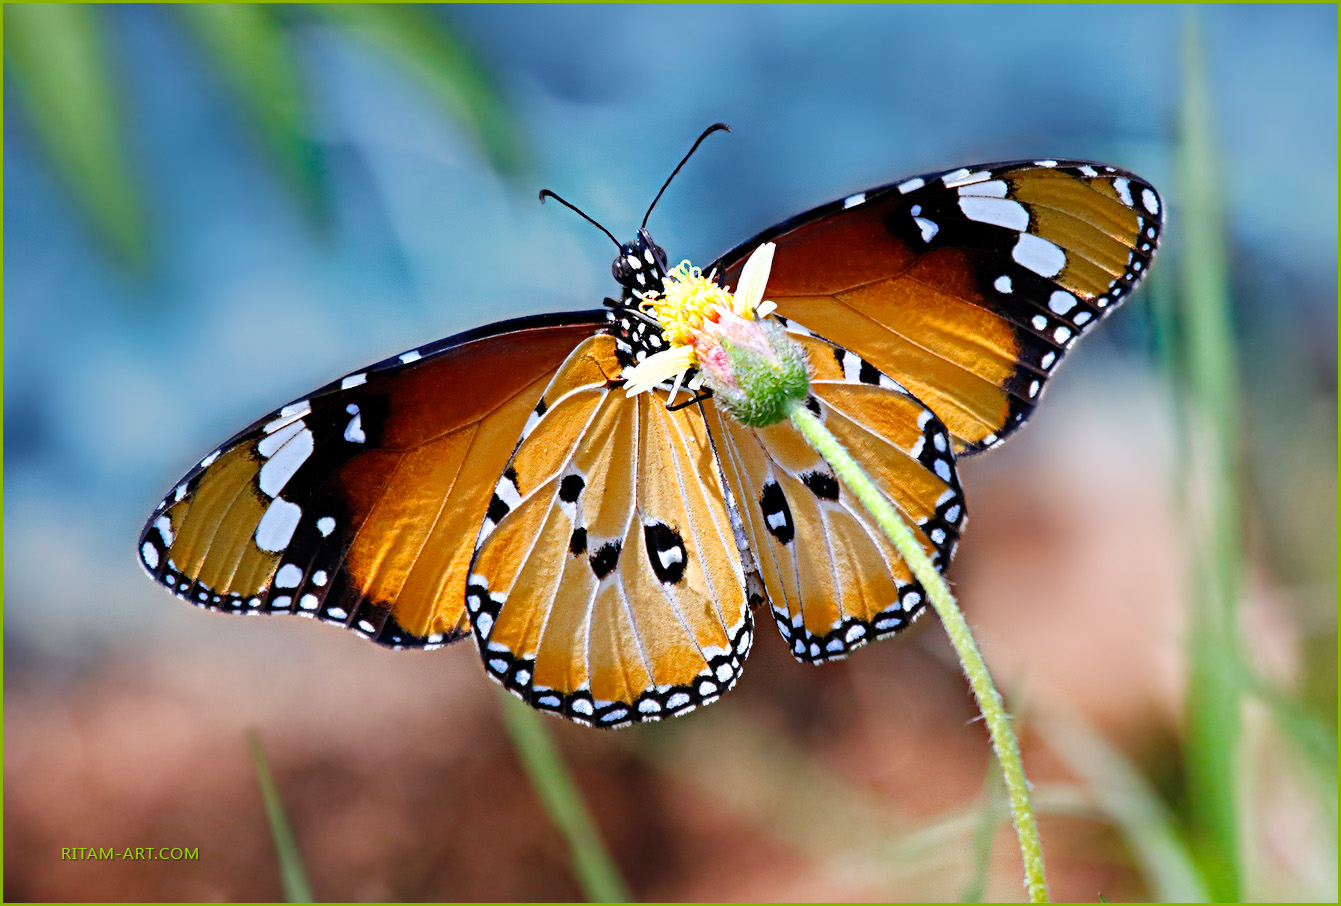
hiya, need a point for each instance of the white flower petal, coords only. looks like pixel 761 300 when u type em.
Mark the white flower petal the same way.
pixel 679 379
pixel 657 368
pixel 754 279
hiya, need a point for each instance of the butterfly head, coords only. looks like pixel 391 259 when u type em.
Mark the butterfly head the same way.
pixel 640 266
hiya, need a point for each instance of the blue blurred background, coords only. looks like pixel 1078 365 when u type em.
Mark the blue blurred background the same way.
pixel 265 234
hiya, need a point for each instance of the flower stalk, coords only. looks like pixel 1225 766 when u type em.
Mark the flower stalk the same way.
pixel 1004 743
pixel 760 377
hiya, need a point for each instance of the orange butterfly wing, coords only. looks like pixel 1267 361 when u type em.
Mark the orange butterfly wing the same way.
pixel 834 581
pixel 359 504
pixel 966 287
pixel 608 584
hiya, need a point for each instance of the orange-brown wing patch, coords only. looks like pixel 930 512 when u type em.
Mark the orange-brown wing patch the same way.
pixel 833 580
pixel 967 287
pixel 359 504
pixel 607 585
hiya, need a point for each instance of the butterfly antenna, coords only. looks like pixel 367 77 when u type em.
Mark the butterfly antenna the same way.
pixel 715 127
pixel 546 193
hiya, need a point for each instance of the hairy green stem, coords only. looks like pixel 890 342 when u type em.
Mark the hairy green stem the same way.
pixel 989 700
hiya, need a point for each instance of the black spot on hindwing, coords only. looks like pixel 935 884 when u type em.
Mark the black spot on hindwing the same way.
pixel 605 559
pixel 570 488
pixel 666 552
pixel 777 515
pixel 822 484
pixel 577 544
pixel 497 509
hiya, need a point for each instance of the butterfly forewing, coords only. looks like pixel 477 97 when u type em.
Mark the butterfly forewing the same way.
pixel 607 585
pixel 359 504
pixel 966 287
pixel 834 581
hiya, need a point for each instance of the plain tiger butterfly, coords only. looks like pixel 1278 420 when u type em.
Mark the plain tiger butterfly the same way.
pixel 605 551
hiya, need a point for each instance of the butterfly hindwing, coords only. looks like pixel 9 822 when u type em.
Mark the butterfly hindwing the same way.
pixel 833 579
pixel 966 287
pixel 359 503
pixel 607 585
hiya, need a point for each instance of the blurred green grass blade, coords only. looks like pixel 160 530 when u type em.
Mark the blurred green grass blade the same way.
pixel 424 43
pixel 1162 300
pixel 596 871
pixel 995 807
pixel 56 55
pixel 1313 739
pixel 291 872
pixel 251 49
pixel 1213 696
pixel 1147 825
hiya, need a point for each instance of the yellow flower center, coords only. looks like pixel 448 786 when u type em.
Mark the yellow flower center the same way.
pixel 688 300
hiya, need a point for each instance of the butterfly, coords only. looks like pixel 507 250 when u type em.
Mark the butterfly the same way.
pixel 606 551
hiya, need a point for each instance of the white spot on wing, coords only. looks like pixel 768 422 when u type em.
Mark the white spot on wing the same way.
pixel 1150 200
pixel 962 177
pixel 928 227
pixel 353 381
pixel 1039 255
pixel 411 356
pixel 289 576
pixel 851 367
pixel 288 415
pixel 164 526
pixel 278 469
pixel 995 188
pixel 325 525
pixel 507 492
pixel 272 442
pixel 1002 284
pixel 1061 302
pixel 853 200
pixel 354 430
pixel 669 557
pixel 1123 190
pixel 911 185
pixel 275 529
pixel 1002 212
pixel 150 555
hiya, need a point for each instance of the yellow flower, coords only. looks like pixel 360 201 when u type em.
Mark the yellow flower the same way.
pixel 696 316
